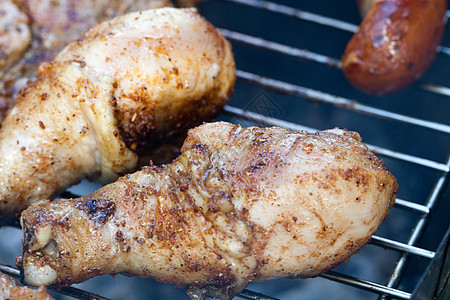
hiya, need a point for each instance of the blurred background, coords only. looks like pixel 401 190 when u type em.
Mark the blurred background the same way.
pixel 287 55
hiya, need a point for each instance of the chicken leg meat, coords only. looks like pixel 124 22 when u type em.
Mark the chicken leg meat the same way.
pixel 132 80
pixel 238 205
pixel 34 31
pixel 11 290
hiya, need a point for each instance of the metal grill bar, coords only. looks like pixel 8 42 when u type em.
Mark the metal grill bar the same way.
pixel 299 14
pixel 445 50
pixel 246 294
pixel 388 243
pixel 366 285
pixel 264 120
pixel 322 97
pixel 418 208
pixel 311 17
pixel 442 90
pixel 281 49
pixel 409 158
pixel 268 121
pixel 10 271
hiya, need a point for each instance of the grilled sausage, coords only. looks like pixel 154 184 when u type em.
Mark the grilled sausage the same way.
pixel 394 45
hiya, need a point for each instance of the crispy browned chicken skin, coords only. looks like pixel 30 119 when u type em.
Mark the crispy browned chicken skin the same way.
pixel 238 205
pixel 35 31
pixel 130 81
pixel 11 290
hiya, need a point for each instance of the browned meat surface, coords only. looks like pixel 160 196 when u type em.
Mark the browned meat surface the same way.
pixel 33 31
pixel 395 44
pixel 238 205
pixel 11 290
pixel 130 81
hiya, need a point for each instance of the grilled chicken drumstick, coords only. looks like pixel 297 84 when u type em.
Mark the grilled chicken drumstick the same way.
pixel 130 80
pixel 238 205
pixel 34 31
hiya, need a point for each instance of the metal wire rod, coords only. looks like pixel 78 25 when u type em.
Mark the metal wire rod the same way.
pixel 264 120
pixel 444 50
pixel 418 208
pixel 9 270
pixel 366 285
pixel 394 245
pixel 442 90
pixel 77 293
pixel 414 159
pixel 299 14
pixel 250 295
pixel 281 49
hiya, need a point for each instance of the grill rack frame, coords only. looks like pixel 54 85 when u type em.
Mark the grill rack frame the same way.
pixel 423 211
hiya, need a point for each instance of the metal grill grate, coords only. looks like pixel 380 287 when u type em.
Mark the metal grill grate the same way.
pixel 262 99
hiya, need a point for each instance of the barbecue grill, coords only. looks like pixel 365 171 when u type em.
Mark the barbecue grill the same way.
pixel 287 55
